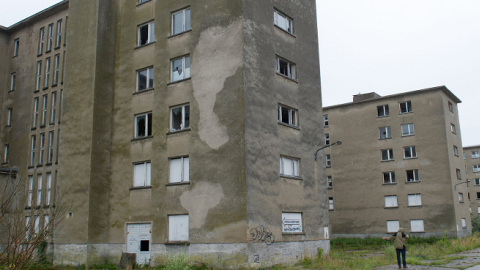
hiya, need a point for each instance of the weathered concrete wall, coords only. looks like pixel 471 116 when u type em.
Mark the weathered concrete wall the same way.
pixel 473 188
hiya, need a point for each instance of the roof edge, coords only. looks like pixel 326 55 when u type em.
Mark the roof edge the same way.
pixel 473 146
pixel 38 16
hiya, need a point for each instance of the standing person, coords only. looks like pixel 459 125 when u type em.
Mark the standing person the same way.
pixel 399 238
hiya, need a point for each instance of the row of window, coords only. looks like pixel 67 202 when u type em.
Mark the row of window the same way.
pixel 41 186
pixel 43 148
pixel 406 130
pixel 36 225
pixel 475 154
pixel 408 153
pixel 411 176
pixel 43 110
pixel 416 225
pixel 50 32
pixel 413 200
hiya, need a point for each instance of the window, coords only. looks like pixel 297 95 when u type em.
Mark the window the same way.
pixel 460 197
pixel 41 40
pixel 416 225
pixel 478 197
pixel 476 168
pixel 178 228
pixel 58 41
pixel 50 147
pixel 39 75
pixel 286 68
pixel 180 68
pixel 325 120
pixel 330 204
pixel 414 199
pixel 5 154
pixel 464 223
pixel 393 226
pixel 389 177
pixel 46 220
pixel 459 174
pixel 35 112
pixel 478 209
pixel 54 107
pixel 289 166
pixel 42 148
pixel 407 130
pixel 9 116
pixel 466 171
pixel 385 132
pixel 463 155
pixel 56 69
pixel 291 222
pixel 27 226
pixel 32 151
pixel 48 195
pixel 12 81
pixel 328 160
pixel 327 139
pixel 146 33
pixel 455 150
pixel 44 111
pixel 180 118
pixel 30 191
pixel 282 21
pixel 142 174
pixel 47 71
pixel 180 21
pixel 16 43
pixel 391 201
pixel 475 154
pixel 383 111
pixel 468 194
pixel 412 176
pixel 37 224
pixel 405 107
pixel 409 152
pixel 450 106
pixel 387 154
pixel 39 189
pixel 50 37
pixel 179 170
pixel 145 79
pixel 452 129
pixel 143 125
pixel 477 181
pixel 329 182
pixel 287 115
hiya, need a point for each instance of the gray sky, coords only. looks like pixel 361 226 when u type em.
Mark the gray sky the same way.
pixel 382 46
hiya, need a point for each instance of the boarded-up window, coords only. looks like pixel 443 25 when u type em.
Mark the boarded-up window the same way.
pixel 416 225
pixel 179 170
pixel 393 226
pixel 464 223
pixel 291 222
pixel 414 199
pixel 178 228
pixel 391 201
pixel 142 174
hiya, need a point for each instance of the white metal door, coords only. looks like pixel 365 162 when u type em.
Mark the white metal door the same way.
pixel 139 238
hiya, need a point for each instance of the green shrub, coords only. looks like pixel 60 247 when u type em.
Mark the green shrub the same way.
pixel 178 262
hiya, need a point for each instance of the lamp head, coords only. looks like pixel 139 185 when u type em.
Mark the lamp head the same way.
pixel 338 142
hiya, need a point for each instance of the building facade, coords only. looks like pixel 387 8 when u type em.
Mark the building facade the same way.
pixel 398 165
pixel 170 126
pixel 471 158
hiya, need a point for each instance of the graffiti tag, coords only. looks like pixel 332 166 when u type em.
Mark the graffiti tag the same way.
pixel 262 234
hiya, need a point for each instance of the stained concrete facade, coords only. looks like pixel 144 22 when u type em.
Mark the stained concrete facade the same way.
pixel 472 173
pixel 237 192
pixel 359 191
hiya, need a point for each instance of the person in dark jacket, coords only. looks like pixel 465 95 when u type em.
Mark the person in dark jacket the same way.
pixel 399 238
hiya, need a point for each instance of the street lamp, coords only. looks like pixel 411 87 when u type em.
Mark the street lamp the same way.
pixel 335 143
pixel 468 181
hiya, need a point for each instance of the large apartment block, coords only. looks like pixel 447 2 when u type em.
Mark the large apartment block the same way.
pixel 399 165
pixel 168 126
pixel 471 156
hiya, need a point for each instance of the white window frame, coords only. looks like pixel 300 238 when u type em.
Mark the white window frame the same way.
pixel 5 154
pixel 58 40
pixel 328 160
pixel 47 72
pixel 460 197
pixel 389 155
pixel 391 201
pixel 30 191
pixel 32 149
pixel 387 131
pixel 408 107
pixel 453 129
pixel 147 128
pixel 44 109
pixel 383 111
pixel 42 148
pixel 391 177
pixel 12 81
pixel 176 234
pixel 329 182
pixel 142 170
pixel 56 69
pixel 9 116
pixel 414 199
pixel 417 223
pixel 183 124
pixel 50 37
pixel 292 222
pixel 327 138
pixel 413 152
pixel 185 71
pixel 39 189
pixel 149 77
pixel 464 222
pixel 325 120
pixel 415 174
pixel 409 128
pixel 292 115
pixel 291 68
pixel 50 147
pixel 294 162
pixel 288 27
pixel 39 75
pixel 331 206
pixel 35 111
pixel 184 169
pixel 150 33
pixel 476 168
pixel 54 107
pixel 185 27
pixel 393 226
pixel 48 189
pixel 475 154
pixel 16 45
pixel 41 40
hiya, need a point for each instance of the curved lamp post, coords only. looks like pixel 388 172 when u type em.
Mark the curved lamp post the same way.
pixel 468 181
pixel 326 146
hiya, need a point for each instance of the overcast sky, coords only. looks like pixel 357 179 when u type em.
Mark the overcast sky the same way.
pixel 382 46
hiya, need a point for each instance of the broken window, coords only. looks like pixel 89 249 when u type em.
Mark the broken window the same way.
pixel 327 139
pixel 180 118
pixel 282 21
pixel 385 132
pixel 393 226
pixel 412 176
pixel 178 229
pixel 144 245
pixel 389 177
pixel 289 166
pixel 286 68
pixel 414 199
pixel 383 111
pixel 405 107
pixel 287 115
pixel 391 201
pixel 409 152
pixel 180 68
pixel 143 125
pixel 387 154
pixel 145 79
pixel 464 221
pixel 142 174
pixel 181 21
pixel 450 106
pixel 179 170
pixel 407 130
pixel 146 33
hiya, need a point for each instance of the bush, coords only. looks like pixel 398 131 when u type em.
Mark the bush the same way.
pixel 178 262
pixel 475 223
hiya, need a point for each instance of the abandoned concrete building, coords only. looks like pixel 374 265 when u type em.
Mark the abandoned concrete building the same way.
pixel 168 126
pixel 399 165
pixel 471 157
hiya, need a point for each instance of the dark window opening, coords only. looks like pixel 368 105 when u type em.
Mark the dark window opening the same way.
pixel 143 34
pixel 144 245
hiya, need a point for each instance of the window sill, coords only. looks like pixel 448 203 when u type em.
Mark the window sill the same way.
pixel 390 207
pixel 11 90
pixel 178 131
pixel 45 88
pixel 283 30
pixel 410 158
pixel 405 113
pixel 142 138
pixel 139 4
pixel 288 78
pixel 28 207
pixel 408 135
pixel 56 48
pixel 386 184
pixel 414 206
pixel 48 51
pixel 48 164
pixel 179 81
pixel 287 125
pixel 387 160
pixel 55 84
pixel 293 233
pixel 329 187
pixel 42 126
pixel 14 56
pixel 39 165
pixel 4 163
pixel 412 182
pixel 142 91
pixel 145 45
pixel 30 167
pixel 185 243
pixel 328 166
pixel 291 177
pixel 385 116
pixel 40 54
pixel 179 34
pixel 51 124
pixel 138 188
pixel 7 126
pixel 385 138
pixel 419 232
pixel 331 210
pixel 36 91
pixel 326 126
pixel 177 184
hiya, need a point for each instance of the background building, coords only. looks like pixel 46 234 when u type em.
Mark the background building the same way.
pixel 398 166
pixel 472 172
pixel 184 125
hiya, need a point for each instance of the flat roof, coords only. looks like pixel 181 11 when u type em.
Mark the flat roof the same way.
pixel 473 146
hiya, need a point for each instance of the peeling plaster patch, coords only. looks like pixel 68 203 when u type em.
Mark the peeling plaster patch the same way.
pixel 199 200
pixel 217 56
